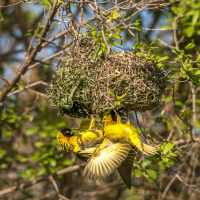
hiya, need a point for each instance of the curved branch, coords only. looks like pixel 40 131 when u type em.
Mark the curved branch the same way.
pixel 23 186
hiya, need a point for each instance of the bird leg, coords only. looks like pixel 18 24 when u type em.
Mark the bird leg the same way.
pixel 90 116
pixel 87 112
pixel 127 117
pixel 116 113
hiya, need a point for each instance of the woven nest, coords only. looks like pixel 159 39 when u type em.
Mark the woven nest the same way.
pixel 84 82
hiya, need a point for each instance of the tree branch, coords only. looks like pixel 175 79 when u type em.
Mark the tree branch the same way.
pixel 31 56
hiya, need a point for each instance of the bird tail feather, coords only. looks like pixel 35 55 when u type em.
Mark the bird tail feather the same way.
pixel 149 149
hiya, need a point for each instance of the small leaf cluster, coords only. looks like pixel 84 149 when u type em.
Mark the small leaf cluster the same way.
pixel 152 165
pixel 35 32
pixel 187 69
pixel 111 37
pixel 117 101
pixel 147 48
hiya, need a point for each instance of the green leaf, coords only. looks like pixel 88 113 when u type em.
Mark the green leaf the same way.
pixel 183 75
pixel 48 3
pixel 118 103
pixel 30 32
pixel 114 14
pixel 32 130
pixel 139 28
pixel 155 40
pixel 138 37
pixel 168 99
pixel 163 58
pixel 147 161
pixel 168 147
pixel 52 162
pixel 174 51
pixel 175 9
pixel 175 79
pixel 155 157
pixel 3 165
pixel 111 92
pixel 138 173
pixel 198 57
pixel 144 39
pixel 141 55
pixel 21 158
pixel 116 36
pixel 102 11
pixel 39 144
pixel 20 86
pixel 190 46
pixel 67 162
pixel 60 2
pixel 1 17
pixel 96 52
pixel 152 173
pixel 2 153
pixel 30 117
pixel 195 17
pixel 115 76
pixel 108 20
pixel 118 30
pixel 120 97
pixel 189 31
pixel 41 171
pixel 196 77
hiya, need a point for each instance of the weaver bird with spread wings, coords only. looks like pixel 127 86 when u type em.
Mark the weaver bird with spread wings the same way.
pixel 119 140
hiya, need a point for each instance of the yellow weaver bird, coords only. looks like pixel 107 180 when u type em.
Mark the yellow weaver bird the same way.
pixel 87 143
pixel 83 144
pixel 119 140
pixel 125 133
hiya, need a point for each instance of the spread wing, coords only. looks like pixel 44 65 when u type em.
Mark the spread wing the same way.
pixel 106 159
pixel 89 149
pixel 126 168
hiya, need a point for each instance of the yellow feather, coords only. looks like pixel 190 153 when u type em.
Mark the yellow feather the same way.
pixel 124 133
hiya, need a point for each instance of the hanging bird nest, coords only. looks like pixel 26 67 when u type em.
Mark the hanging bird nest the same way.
pixel 123 81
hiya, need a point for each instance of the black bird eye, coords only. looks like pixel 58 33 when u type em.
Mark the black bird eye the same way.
pixel 67 132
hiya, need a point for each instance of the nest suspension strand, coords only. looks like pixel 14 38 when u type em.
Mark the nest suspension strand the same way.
pixel 83 81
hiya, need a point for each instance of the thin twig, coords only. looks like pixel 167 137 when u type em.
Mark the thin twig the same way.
pixel 188 124
pixel 5 79
pixel 48 58
pixel 26 87
pixel 140 126
pixel 104 38
pixel 168 186
pixel 175 36
pixel 14 4
pixel 188 185
pixel 55 185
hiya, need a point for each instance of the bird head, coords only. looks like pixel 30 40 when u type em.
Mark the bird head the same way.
pixel 63 137
pixel 67 132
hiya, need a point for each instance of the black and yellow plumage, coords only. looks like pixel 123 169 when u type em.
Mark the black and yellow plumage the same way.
pixel 102 161
pixel 118 149
pixel 84 144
